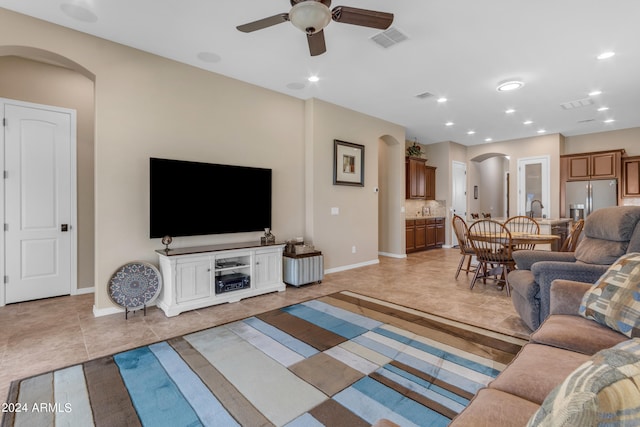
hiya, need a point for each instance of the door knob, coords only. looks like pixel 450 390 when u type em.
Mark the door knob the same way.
pixel 64 227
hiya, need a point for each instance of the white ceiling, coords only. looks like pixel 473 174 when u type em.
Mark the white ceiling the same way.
pixel 458 49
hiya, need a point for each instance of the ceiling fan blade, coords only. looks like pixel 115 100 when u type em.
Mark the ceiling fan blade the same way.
pixel 362 17
pixel 316 43
pixel 264 23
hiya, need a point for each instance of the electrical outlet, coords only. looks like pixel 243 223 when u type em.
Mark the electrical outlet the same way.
pixel 353 249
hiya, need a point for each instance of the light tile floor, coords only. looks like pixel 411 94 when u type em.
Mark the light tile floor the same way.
pixel 42 335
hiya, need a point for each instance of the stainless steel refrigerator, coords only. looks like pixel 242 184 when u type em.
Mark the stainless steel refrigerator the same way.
pixel 584 197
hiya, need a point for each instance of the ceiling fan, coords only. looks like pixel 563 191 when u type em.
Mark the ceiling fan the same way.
pixel 311 16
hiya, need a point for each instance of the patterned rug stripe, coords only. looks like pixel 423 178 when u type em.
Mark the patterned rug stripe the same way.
pixel 457 357
pixel 108 395
pixel 275 391
pixel 422 398
pixel 331 413
pixel 351 359
pixel 434 397
pixel 236 403
pixel 33 391
pixel 440 388
pixel 494 339
pixel 326 321
pixel 207 407
pixel 266 344
pixel 447 371
pixel 317 337
pixel 294 344
pixel 69 386
pixel 430 379
pixel 372 401
pixel 346 315
pixel 155 396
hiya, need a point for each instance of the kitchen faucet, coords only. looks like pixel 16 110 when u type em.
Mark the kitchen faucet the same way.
pixel 531 211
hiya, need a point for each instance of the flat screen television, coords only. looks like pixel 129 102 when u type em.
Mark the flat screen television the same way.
pixel 193 198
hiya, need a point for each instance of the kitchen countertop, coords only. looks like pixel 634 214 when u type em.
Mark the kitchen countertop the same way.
pixel 424 217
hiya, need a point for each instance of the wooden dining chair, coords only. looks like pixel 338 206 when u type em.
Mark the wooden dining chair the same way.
pixel 523 224
pixel 492 244
pixel 466 250
pixel 572 239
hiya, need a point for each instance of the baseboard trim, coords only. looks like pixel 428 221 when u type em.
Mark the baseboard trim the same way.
pixel 83 291
pixel 352 266
pixel 390 255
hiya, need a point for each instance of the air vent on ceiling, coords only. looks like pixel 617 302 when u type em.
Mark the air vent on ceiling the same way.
pixel 389 37
pixel 424 95
pixel 577 104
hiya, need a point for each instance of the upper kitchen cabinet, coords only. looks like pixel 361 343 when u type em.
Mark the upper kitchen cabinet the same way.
pixel 420 179
pixel 596 165
pixel 631 176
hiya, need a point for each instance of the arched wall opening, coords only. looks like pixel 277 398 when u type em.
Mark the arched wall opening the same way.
pixel 390 197
pixel 43 77
pixel 489 185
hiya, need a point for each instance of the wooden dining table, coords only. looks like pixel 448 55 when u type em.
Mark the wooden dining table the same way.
pixel 519 238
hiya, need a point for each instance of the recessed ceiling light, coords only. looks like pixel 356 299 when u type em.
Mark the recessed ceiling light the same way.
pixel 471 132
pixel 441 100
pixel 509 85
pixel 449 124
pixel 603 108
pixel 541 131
pixel 527 122
pixel 313 79
pixel 209 57
pixel 81 13
pixel 595 93
pixel 296 86
pixel 488 139
pixel 510 111
pixel 609 121
pixel 606 55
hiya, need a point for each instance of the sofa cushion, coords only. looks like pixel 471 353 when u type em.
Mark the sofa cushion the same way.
pixel 569 332
pixel 614 300
pixel 601 252
pixel 491 408
pixel 604 389
pixel 532 377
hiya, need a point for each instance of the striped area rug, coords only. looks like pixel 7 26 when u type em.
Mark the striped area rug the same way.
pixel 340 360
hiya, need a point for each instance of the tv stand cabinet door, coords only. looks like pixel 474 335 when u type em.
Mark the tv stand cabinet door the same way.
pixel 267 268
pixel 193 279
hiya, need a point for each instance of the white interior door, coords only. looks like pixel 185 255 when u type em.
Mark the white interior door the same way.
pixel 39 201
pixel 459 196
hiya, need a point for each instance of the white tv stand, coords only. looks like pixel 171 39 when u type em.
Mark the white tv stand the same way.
pixel 190 275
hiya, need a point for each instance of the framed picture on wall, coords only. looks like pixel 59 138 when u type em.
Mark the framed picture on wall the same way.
pixel 348 163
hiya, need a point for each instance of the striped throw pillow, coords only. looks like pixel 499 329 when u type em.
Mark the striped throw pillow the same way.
pixel 614 300
pixel 602 391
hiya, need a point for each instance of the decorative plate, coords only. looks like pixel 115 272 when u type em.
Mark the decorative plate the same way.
pixel 135 285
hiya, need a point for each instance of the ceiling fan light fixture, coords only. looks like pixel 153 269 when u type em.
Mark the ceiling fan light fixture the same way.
pixel 310 16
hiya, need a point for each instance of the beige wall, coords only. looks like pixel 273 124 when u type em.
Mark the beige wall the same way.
pixel 629 139
pixel 150 106
pixel 357 222
pixel 40 83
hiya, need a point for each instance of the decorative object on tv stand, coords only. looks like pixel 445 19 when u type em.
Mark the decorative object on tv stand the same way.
pixel 348 163
pixel 268 238
pixel 135 285
pixel 166 241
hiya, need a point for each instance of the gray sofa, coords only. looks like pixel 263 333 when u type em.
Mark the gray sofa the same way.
pixel 608 234
pixel 565 341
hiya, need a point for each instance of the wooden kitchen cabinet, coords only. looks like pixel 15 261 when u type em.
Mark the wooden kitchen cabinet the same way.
pixel 631 177
pixel 424 233
pixel 430 182
pixel 595 165
pixel 420 179
pixel 415 178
